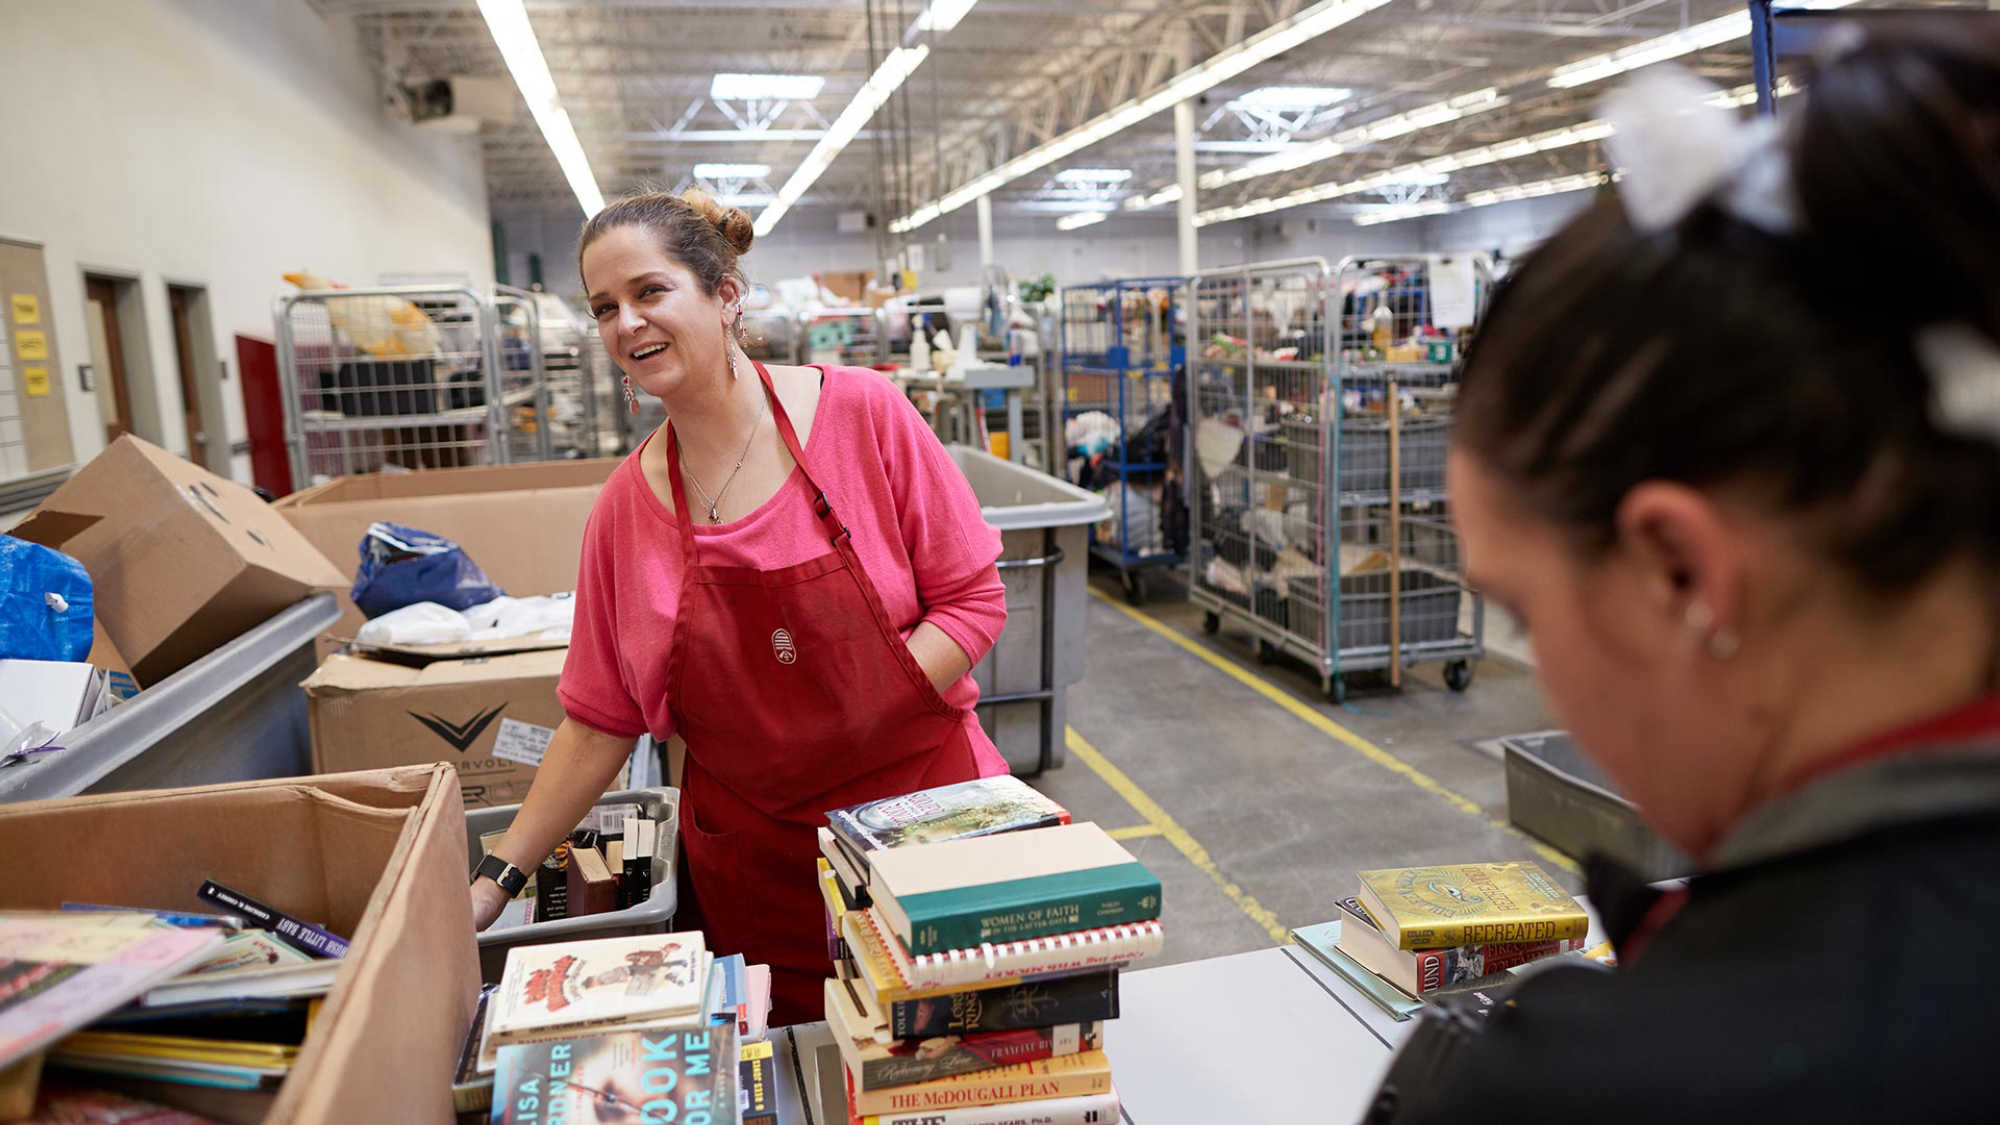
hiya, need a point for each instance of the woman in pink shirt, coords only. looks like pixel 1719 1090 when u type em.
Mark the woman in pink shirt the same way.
pixel 791 574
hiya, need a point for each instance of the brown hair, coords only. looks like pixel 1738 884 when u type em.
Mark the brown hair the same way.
pixel 1715 354
pixel 694 230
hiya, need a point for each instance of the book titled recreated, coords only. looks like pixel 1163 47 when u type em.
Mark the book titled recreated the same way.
pixel 686 1076
pixel 599 982
pixel 981 807
pixel 1470 904
pixel 959 894
pixel 1423 971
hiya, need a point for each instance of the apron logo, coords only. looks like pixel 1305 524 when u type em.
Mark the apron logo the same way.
pixel 782 647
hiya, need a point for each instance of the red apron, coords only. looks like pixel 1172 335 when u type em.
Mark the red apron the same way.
pixel 795 694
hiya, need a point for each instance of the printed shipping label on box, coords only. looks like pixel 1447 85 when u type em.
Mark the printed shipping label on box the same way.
pixel 489 718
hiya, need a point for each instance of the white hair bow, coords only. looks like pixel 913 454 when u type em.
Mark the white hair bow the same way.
pixel 1678 146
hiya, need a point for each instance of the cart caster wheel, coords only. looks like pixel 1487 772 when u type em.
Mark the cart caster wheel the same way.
pixel 1458 675
pixel 1267 653
pixel 1135 586
pixel 1211 623
pixel 1336 689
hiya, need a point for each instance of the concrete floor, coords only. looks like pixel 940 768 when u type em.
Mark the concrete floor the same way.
pixel 1253 797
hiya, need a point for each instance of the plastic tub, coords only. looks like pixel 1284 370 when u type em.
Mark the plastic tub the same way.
pixel 1045 563
pixel 236 714
pixel 1555 793
pixel 653 916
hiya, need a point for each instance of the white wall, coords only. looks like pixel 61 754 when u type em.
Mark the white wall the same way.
pixel 216 143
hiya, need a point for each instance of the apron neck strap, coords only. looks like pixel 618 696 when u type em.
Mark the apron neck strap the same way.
pixel 822 508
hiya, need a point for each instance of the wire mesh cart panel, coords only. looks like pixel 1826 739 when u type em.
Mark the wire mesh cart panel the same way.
pixel 400 378
pixel 1319 421
pixel 1123 351
pixel 580 400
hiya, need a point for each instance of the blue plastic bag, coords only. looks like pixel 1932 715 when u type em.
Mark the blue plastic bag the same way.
pixel 403 566
pixel 45 603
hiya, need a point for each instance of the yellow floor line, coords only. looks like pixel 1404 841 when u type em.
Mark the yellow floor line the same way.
pixel 1338 733
pixel 1165 825
pixel 1135 831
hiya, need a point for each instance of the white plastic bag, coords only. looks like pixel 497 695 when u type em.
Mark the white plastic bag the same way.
pixel 425 623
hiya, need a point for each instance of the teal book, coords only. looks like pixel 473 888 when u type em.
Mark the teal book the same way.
pixel 961 894
pixel 1320 941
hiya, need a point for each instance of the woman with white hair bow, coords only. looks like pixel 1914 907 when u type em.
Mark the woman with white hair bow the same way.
pixel 1729 446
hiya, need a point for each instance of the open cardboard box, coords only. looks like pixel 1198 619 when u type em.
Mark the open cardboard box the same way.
pixel 523 524
pixel 181 561
pixel 489 717
pixel 379 856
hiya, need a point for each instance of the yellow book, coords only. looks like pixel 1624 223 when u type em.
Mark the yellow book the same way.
pixel 273 1057
pixel 1470 904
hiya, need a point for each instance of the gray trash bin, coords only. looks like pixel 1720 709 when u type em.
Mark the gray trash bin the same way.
pixel 1557 794
pixel 1045 563
pixel 236 714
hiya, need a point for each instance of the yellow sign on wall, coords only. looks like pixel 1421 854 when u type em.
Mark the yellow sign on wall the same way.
pixel 32 343
pixel 27 308
pixel 36 380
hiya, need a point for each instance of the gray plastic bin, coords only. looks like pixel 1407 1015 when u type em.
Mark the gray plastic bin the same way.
pixel 1557 794
pixel 236 714
pixel 1045 563
pixel 653 916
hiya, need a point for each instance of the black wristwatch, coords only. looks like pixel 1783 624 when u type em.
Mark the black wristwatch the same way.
pixel 510 877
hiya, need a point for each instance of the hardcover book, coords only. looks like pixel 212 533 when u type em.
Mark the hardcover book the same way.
pixel 879 1062
pixel 1087 1109
pixel 683 1076
pixel 61 970
pixel 959 894
pixel 575 983
pixel 1070 1076
pixel 1423 971
pixel 591 886
pixel 898 976
pixel 1321 942
pixel 1085 997
pixel 1470 904
pixel 980 807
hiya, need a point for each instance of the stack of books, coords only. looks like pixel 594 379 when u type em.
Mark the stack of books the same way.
pixel 977 939
pixel 645 1028
pixel 1419 934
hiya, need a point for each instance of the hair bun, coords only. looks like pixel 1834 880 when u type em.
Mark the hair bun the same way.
pixel 733 222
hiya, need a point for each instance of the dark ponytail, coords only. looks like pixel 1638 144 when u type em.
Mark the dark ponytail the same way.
pixel 1714 354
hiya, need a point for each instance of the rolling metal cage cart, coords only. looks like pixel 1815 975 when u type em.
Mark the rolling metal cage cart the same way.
pixel 407 378
pixel 579 398
pixel 1317 504
pixel 1122 350
pixel 857 337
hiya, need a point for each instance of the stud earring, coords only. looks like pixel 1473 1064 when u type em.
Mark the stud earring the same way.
pixel 1721 643
pixel 631 396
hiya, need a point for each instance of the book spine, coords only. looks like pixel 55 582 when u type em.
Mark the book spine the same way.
pixel 957 1094
pixel 1019 909
pixel 552 886
pixel 1522 931
pixel 980 1052
pixel 300 935
pixel 1079 998
pixel 1098 1109
pixel 1060 953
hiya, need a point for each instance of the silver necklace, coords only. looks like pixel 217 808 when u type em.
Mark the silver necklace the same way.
pixel 763 404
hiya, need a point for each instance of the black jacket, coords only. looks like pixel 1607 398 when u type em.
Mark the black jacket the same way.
pixel 1833 968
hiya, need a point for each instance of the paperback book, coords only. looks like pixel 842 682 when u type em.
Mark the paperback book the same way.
pixel 684 1076
pixel 898 976
pixel 601 981
pixel 980 807
pixel 61 970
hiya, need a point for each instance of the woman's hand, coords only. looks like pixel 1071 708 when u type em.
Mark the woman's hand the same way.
pixel 488 900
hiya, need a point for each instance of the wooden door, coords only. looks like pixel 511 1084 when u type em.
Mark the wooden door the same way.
pixel 179 300
pixel 101 309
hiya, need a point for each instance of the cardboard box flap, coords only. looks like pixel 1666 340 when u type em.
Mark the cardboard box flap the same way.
pixel 420 655
pixel 343 673
pixel 532 476
pixel 52 528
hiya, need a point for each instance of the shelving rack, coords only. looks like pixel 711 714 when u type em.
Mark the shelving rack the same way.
pixel 1318 512
pixel 852 336
pixel 1121 348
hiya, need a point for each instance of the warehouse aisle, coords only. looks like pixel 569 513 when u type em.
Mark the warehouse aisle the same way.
pixel 1254 798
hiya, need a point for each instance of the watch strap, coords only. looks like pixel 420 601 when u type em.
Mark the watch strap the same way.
pixel 510 877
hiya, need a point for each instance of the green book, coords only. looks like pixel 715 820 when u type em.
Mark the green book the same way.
pixel 960 894
pixel 1320 942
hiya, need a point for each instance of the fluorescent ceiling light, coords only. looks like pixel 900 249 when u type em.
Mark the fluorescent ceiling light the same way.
pixel 1282 98
pixel 732 171
pixel 766 87
pixel 1692 38
pixel 1513 192
pixel 1582 132
pixel 943 15
pixel 1393 212
pixel 1421 179
pixel 1747 95
pixel 1094 175
pixel 508 21
pixel 1080 219
pixel 895 67
pixel 1224 65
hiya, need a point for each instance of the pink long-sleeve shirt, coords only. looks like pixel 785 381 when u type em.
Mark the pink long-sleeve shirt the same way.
pixel 917 530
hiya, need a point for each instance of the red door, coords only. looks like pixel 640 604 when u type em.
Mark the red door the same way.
pixel 264 415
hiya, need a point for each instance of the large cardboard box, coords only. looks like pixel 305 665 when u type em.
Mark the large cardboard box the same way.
pixel 488 717
pixel 181 560
pixel 379 856
pixel 523 524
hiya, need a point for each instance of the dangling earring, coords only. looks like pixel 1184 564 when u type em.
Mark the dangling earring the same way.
pixel 631 396
pixel 735 365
